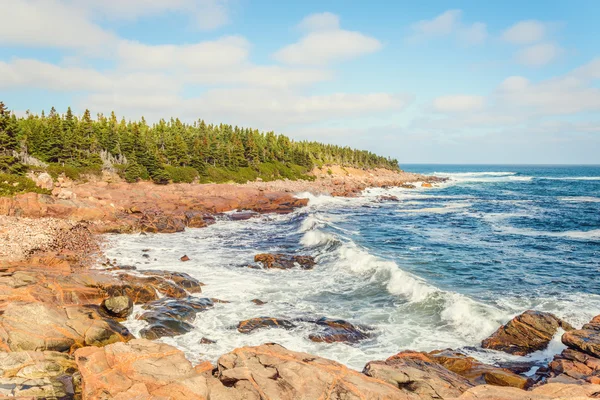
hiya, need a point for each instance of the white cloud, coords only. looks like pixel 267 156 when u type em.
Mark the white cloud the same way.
pixel 446 24
pixel 325 21
pixel 205 14
pixel 50 23
pixel 525 32
pixel 539 54
pixel 326 43
pixel 458 103
pixel 223 52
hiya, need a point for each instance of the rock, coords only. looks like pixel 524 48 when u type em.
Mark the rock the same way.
pixel 526 333
pixel 387 198
pixel 184 258
pixel 44 181
pixel 284 261
pixel 271 371
pixel 243 215
pixel 584 340
pixel 207 341
pixel 338 331
pixel 476 372
pixel 119 307
pixel 544 392
pixel 172 317
pixel 140 369
pixel 198 219
pixel 161 285
pixel 426 185
pixel 40 327
pixel 258 302
pixel 37 374
pixel 414 374
pixel 180 279
pixel 249 325
pixel 159 222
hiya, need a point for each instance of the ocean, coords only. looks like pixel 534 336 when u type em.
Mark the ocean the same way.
pixel 441 267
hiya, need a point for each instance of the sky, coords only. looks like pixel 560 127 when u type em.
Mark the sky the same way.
pixel 425 82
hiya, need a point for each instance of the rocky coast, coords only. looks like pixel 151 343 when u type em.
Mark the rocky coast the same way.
pixel 62 304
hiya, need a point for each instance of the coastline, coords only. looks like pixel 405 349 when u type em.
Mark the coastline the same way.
pixel 74 286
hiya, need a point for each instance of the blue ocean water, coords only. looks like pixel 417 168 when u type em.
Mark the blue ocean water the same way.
pixel 441 267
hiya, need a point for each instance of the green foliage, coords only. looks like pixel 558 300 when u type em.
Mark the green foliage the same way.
pixel 11 165
pixel 71 172
pixel 181 174
pixel 168 149
pixel 13 184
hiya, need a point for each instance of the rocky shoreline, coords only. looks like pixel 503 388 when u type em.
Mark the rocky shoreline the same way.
pixel 60 316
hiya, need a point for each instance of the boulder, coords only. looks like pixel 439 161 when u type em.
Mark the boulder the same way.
pixel 258 302
pixel 117 307
pixel 37 374
pixel 426 184
pixel 584 340
pixel 415 374
pixel 41 326
pixel 337 330
pixel 271 371
pixel 477 372
pixel 157 282
pixel 44 181
pixel 249 325
pixel 159 222
pixel 526 333
pixel 171 317
pixel 184 258
pixel 284 261
pixel 180 279
pixel 140 369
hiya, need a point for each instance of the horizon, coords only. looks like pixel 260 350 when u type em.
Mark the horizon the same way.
pixel 460 84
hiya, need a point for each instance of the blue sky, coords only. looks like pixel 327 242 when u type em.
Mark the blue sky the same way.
pixel 446 82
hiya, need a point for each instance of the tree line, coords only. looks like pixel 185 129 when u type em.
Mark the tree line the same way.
pixel 164 151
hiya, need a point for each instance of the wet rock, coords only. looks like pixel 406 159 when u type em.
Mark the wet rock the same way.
pixel 40 327
pixel 337 330
pixel 415 374
pixel 526 333
pixel 426 184
pixel 37 374
pixel 250 325
pixel 385 198
pixel 476 372
pixel 172 317
pixel 258 302
pixel 184 258
pixel 140 369
pixel 118 307
pixel 243 215
pixel 198 219
pixel 284 261
pixel 207 341
pixel 181 279
pixel 584 340
pixel 271 371
pixel 157 282
pixel 158 222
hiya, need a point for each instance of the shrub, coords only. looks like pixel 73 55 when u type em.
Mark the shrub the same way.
pixel 10 165
pixel 14 184
pixel 181 174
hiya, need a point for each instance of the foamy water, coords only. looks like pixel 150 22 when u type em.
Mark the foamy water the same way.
pixel 443 267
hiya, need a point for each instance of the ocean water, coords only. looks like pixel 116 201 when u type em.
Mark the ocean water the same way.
pixel 441 268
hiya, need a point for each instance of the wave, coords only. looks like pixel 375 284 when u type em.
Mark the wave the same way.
pixel 452 207
pixel 570 178
pixel 468 174
pixel 491 177
pixel 580 199
pixel 579 235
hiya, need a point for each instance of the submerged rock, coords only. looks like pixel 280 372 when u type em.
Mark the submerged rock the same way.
pixel 258 302
pixel 284 261
pixel 250 325
pixel 526 333
pixel 337 330
pixel 172 317
pixel 415 374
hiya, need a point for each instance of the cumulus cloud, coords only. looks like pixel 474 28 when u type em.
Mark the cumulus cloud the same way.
pixel 50 23
pixel 539 54
pixel 325 42
pixel 458 103
pixel 449 23
pixel 525 32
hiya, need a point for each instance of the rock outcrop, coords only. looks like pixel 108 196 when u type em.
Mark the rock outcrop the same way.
pixel 546 392
pixel 336 330
pixel 284 261
pixel 526 333
pixel 250 325
pixel 417 376
pixel 119 307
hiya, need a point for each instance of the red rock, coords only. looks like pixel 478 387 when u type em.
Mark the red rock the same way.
pixel 263 322
pixel 185 258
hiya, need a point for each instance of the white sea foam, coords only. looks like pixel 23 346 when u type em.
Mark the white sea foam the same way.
pixel 570 178
pixel 483 177
pixel 593 234
pixel 447 208
pixel 580 199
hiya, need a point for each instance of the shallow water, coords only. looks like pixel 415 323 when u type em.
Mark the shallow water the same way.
pixel 443 267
